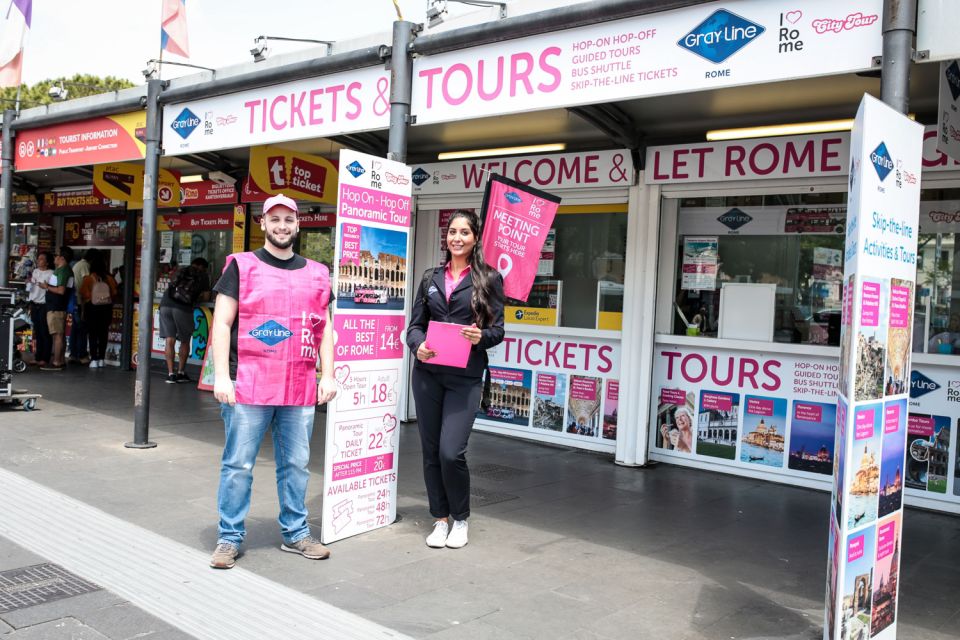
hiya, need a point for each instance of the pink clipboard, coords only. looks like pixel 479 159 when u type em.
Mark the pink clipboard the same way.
pixel 453 350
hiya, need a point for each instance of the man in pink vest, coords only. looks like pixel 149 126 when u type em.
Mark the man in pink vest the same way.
pixel 271 326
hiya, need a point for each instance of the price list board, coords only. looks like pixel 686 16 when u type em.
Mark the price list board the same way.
pixel 370 281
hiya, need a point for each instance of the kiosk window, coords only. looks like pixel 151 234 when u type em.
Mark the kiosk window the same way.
pixel 794 241
pixel 580 281
pixel 936 326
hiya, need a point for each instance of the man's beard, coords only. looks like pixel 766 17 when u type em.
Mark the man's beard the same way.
pixel 281 244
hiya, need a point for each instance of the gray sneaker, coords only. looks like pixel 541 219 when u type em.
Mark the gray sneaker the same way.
pixel 308 547
pixel 224 556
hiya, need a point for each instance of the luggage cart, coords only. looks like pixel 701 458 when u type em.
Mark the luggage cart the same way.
pixel 11 313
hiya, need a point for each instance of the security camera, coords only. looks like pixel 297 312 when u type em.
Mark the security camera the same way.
pixel 260 49
pixel 221 177
pixel 57 92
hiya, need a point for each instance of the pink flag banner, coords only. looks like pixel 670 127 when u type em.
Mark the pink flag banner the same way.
pixel 516 219
pixel 13 34
pixel 173 28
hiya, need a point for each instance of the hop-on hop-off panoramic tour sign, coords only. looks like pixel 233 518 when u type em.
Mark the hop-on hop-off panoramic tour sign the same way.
pixel 880 269
pixel 516 220
pixel 114 138
pixel 361 453
pixel 303 176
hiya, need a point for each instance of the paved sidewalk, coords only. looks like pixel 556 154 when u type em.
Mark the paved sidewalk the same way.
pixel 563 544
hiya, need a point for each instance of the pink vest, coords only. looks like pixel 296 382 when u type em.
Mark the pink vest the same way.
pixel 282 314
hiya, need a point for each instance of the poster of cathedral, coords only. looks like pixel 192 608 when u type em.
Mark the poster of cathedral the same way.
pixel 865 465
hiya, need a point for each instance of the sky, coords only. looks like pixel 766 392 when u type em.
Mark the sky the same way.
pixel 117 37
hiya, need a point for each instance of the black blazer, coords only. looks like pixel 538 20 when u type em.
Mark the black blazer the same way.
pixel 431 304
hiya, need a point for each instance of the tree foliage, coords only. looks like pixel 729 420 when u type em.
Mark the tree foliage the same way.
pixel 77 86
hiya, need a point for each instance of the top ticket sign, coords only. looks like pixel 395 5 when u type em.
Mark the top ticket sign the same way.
pixel 699 48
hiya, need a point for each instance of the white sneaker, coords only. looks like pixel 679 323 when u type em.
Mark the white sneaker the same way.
pixel 94 364
pixel 458 536
pixel 438 539
pixel 101 365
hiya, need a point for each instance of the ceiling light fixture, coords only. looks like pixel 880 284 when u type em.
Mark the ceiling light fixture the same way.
pixel 794 129
pixel 502 151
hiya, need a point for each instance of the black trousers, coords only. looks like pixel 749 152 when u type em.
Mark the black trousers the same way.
pixel 98 318
pixel 446 407
pixel 42 342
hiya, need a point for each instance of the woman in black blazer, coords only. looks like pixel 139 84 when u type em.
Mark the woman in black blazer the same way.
pixel 464 291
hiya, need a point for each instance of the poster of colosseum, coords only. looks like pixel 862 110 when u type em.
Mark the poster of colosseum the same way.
pixel 372 271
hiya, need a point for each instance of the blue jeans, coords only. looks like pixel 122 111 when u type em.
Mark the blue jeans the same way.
pixel 245 426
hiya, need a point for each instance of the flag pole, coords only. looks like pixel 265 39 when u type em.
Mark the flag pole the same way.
pixel 160 58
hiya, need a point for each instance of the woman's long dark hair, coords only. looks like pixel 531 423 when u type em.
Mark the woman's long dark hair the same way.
pixel 98 266
pixel 481 273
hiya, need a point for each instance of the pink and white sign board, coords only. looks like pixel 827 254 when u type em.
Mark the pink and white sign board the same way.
pixel 516 219
pixel 357 100
pixel 703 47
pixel 880 266
pixel 360 457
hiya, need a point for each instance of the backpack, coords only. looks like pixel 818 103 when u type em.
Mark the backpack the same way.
pixel 100 293
pixel 185 289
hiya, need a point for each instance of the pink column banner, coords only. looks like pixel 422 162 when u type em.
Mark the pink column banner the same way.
pixel 516 220
pixel 879 272
pixel 370 281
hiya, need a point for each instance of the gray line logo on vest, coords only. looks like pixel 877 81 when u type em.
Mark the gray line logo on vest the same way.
pixel 271 333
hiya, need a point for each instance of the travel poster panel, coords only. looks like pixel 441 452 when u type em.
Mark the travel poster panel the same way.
pixel 880 262
pixel 370 276
pixel 764 431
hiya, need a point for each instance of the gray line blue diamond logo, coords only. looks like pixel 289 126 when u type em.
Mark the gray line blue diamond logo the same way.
pixel 734 219
pixel 953 79
pixel 185 123
pixel 419 176
pixel 882 161
pixel 271 333
pixel 720 36
pixel 356 169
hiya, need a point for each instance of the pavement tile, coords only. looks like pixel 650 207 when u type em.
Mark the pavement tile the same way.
pixel 414 578
pixel 356 598
pixel 75 606
pixel 478 630
pixel 123 621
pixel 543 615
pixel 60 629
pixel 446 608
pixel 4 627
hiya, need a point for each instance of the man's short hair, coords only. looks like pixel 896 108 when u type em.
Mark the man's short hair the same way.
pixel 200 262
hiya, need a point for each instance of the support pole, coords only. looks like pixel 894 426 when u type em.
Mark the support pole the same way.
pixel 401 73
pixel 151 169
pixel 899 28
pixel 6 195
pixel 129 273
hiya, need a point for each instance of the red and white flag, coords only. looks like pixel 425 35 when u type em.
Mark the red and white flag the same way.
pixel 173 28
pixel 13 33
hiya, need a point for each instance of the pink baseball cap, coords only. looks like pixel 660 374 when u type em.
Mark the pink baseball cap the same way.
pixel 280 200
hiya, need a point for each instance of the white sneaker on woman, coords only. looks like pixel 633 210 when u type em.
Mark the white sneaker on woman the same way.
pixel 438 538
pixel 458 535
pixel 94 364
